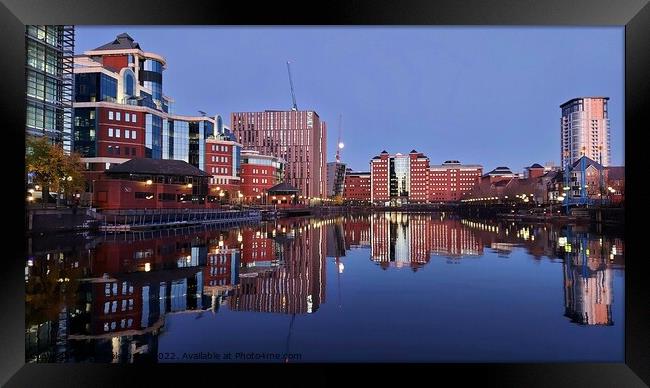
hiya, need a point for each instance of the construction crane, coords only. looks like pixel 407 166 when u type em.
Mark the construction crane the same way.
pixel 339 143
pixel 293 95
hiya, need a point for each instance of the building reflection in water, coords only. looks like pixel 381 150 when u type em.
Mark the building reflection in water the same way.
pixel 105 298
pixel 107 302
pixel 409 240
pixel 291 279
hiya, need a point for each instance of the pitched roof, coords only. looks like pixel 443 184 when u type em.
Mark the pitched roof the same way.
pixel 156 167
pixel 536 165
pixel 122 41
pixel 589 162
pixel 283 187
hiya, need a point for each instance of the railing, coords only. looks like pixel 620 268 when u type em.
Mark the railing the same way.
pixel 171 217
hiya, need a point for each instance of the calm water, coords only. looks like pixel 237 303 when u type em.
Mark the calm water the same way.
pixel 382 287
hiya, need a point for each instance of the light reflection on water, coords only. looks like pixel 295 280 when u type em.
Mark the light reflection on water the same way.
pixel 262 289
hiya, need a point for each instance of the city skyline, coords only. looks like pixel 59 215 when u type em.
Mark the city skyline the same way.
pixel 502 93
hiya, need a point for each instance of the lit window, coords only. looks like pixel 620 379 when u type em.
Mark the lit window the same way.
pixel 133 116
pixel 110 132
pixel 126 133
pixel 117 132
pixel 110 115
pixel 127 117
pixel 118 116
pixel 133 133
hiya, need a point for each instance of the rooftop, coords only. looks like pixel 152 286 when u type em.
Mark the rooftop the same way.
pixel 580 98
pixel 122 42
pixel 283 187
pixel 156 167
pixel 589 162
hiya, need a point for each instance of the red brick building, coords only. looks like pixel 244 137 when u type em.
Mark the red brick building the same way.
pixel 356 186
pixel 399 179
pixel 152 184
pixel 297 137
pixel 379 182
pixel 222 162
pixel 451 180
pixel 258 174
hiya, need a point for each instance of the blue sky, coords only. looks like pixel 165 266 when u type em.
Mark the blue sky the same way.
pixel 486 95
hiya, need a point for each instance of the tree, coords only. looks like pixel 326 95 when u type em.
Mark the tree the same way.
pixel 52 168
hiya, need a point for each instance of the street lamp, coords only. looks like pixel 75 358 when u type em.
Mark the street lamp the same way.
pixel 149 182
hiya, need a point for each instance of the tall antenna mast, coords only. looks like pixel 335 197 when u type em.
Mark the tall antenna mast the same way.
pixel 293 95
pixel 339 143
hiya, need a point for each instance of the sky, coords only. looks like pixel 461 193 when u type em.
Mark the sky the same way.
pixel 481 95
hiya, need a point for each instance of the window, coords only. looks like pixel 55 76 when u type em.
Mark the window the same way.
pixel 143 195
pixel 110 115
pixel 110 151
pixel 127 117
pixel 126 150
pixel 106 307
pixel 132 151
pixel 118 116
pixel 133 133
pixel 126 133
pixel 110 132
pixel 133 116
pixel 117 150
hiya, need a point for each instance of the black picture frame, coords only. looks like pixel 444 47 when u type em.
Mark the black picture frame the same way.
pixel 633 14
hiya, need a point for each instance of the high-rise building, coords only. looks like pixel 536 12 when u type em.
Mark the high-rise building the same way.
pixel 451 180
pixel 399 178
pixel 298 137
pixel 120 111
pixel 50 82
pixel 584 130
pixel 335 178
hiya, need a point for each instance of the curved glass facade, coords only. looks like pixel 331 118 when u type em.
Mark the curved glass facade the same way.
pixel 151 77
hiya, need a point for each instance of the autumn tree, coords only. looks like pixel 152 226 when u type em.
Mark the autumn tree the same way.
pixel 52 168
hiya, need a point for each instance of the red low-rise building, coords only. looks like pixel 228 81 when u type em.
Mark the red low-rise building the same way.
pixel 222 162
pixel 451 180
pixel 258 174
pixel 152 184
pixel 356 187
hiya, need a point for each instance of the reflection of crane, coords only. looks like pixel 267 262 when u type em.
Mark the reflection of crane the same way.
pixel 293 317
pixel 293 95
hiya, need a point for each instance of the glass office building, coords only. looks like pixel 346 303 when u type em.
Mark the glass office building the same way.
pixel 50 82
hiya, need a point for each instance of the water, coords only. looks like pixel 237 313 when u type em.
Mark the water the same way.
pixel 382 287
